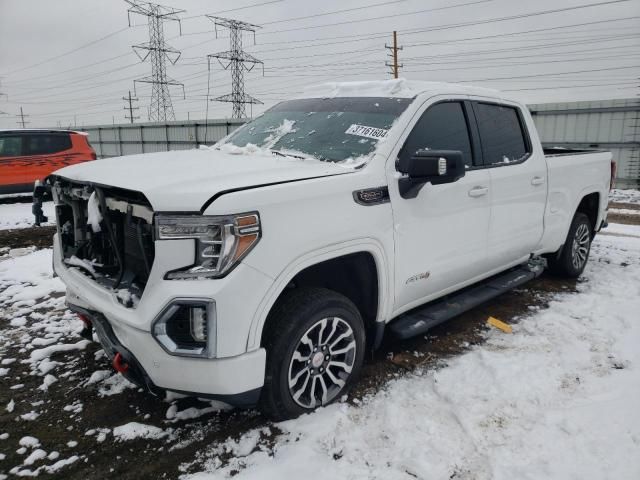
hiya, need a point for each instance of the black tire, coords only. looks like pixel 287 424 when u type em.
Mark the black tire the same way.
pixel 570 260
pixel 293 327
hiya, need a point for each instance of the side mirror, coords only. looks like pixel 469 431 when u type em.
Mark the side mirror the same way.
pixel 435 166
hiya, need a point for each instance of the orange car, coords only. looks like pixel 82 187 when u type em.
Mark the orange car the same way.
pixel 30 155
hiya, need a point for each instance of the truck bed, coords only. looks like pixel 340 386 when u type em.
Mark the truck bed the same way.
pixel 562 151
pixel 572 174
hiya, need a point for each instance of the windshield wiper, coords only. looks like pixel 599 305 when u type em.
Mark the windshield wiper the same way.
pixel 280 154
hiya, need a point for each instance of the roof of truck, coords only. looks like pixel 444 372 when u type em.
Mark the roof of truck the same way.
pixel 401 88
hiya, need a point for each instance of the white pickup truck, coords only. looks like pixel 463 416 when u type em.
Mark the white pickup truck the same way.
pixel 260 270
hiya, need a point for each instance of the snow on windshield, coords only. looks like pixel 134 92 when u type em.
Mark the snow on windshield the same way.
pixel 344 130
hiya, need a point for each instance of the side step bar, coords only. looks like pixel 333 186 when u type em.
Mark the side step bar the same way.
pixel 421 319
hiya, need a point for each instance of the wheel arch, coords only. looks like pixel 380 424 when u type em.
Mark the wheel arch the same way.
pixel 590 206
pixel 352 269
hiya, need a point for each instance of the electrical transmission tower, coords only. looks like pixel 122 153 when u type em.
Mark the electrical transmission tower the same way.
pixel 22 121
pixel 160 109
pixel 239 61
pixel 395 68
pixel 130 107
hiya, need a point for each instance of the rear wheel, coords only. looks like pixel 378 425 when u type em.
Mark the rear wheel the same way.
pixel 315 349
pixel 572 257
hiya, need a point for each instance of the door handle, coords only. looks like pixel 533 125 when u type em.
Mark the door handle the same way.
pixel 537 181
pixel 478 191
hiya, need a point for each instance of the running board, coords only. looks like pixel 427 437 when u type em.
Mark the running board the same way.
pixel 421 319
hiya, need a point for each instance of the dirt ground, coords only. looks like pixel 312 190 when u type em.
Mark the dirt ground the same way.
pixel 161 458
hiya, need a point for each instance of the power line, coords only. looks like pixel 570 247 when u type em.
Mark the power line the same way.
pixel 109 35
pixel 335 12
pixel 160 108
pixel 454 25
pixel 236 9
pixel 519 33
pixel 238 61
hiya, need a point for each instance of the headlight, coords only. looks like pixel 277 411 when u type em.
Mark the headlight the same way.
pixel 221 241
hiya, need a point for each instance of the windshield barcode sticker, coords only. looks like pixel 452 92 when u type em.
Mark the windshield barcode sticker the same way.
pixel 364 131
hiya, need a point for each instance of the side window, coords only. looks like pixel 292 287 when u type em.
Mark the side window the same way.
pixel 501 134
pixel 42 144
pixel 442 127
pixel 10 146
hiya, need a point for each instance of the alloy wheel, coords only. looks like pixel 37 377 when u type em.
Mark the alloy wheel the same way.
pixel 580 246
pixel 322 362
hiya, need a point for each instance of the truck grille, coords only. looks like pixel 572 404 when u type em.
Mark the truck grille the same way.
pixel 121 254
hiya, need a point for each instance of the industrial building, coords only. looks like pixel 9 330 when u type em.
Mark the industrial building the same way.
pixel 612 125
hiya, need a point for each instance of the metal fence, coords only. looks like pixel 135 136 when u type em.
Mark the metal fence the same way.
pixel 129 139
pixel 612 125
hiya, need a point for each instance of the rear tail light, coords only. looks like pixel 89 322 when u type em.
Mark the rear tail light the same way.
pixel 614 170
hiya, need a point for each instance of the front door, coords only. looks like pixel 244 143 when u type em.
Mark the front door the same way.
pixel 441 234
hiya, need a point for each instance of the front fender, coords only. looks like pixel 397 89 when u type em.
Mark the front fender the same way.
pixel 368 245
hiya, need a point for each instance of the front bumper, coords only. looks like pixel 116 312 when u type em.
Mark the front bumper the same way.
pixel 136 373
pixel 235 376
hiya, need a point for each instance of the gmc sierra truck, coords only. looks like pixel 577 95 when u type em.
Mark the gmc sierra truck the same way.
pixel 262 269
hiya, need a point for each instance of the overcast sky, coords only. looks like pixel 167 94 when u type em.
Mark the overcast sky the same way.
pixel 69 59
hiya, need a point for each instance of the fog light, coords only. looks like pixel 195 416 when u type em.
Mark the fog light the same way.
pixel 187 327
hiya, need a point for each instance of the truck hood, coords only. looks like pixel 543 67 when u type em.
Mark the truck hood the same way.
pixel 185 180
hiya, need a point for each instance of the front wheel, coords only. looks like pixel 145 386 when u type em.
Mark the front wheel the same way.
pixel 315 349
pixel 572 257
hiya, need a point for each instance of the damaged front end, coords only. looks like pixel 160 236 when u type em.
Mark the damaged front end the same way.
pixel 107 234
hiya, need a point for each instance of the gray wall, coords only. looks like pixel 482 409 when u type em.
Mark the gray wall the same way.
pixel 608 125
pixel 129 139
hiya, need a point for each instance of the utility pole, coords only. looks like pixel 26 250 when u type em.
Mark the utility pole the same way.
pixel 394 55
pixel 22 121
pixel 160 108
pixel 131 108
pixel 239 61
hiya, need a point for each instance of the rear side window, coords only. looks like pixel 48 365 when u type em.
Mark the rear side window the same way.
pixel 442 127
pixel 501 133
pixel 42 144
pixel 10 146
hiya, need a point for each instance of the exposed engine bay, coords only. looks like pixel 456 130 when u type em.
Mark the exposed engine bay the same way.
pixel 107 234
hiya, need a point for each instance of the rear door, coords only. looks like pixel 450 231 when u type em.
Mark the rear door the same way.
pixel 440 235
pixel 518 182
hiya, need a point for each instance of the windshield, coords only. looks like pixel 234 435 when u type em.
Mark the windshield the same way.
pixel 330 129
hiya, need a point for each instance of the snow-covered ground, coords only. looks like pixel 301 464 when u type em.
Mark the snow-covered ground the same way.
pixel 19 215
pixel 557 399
pixel 625 196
